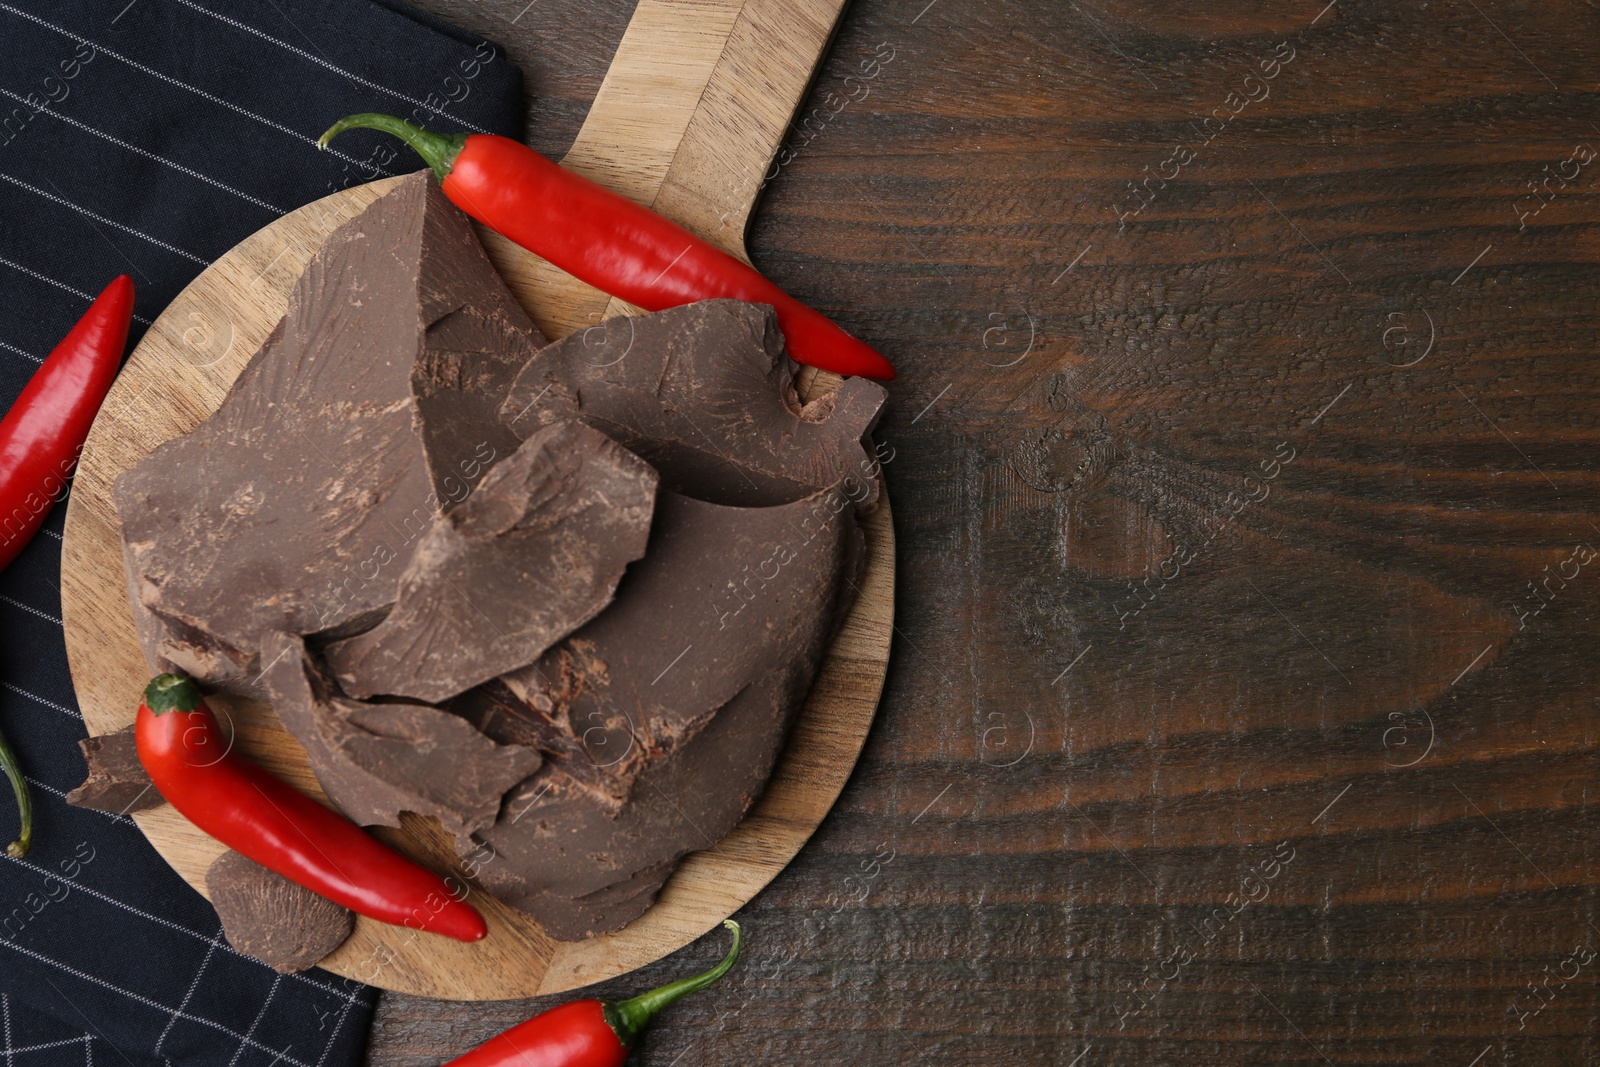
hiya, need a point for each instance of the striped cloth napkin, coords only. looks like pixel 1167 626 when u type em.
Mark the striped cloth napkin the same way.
pixel 147 137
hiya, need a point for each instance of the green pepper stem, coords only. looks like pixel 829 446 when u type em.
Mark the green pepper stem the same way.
pixel 437 150
pixel 172 692
pixel 628 1018
pixel 19 785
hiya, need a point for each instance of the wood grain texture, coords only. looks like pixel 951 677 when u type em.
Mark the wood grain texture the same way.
pixel 194 350
pixel 1038 911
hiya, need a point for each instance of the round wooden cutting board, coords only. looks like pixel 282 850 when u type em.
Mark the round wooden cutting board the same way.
pixel 687 121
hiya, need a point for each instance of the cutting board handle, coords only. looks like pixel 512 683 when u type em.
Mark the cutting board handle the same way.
pixel 687 121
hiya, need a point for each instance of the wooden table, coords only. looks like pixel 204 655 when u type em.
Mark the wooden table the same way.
pixel 1245 479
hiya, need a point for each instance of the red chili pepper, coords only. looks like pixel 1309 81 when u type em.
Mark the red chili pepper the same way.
pixel 250 811
pixel 609 241
pixel 42 434
pixel 40 439
pixel 589 1033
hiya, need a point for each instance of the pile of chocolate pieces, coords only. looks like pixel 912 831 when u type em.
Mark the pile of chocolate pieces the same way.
pixel 564 598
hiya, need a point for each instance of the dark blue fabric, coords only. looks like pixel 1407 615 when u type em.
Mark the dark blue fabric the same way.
pixel 147 138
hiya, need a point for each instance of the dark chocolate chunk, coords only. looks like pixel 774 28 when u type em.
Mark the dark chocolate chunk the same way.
pixel 370 409
pixel 706 394
pixel 534 553
pixel 379 759
pixel 662 718
pixel 266 916
pixel 117 781
pixel 611 908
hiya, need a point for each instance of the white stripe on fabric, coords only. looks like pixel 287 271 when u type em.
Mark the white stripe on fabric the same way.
pixel 148 155
pixel 47 1045
pixel 170 80
pixel 62 708
pixel 193 985
pixel 47 788
pixel 271 992
pixel 305 979
pixel 64 202
pixel 81 1015
pixel 30 611
pixel 338 1024
pixel 20 352
pixel 59 285
pixel 139 998
pixel 325 63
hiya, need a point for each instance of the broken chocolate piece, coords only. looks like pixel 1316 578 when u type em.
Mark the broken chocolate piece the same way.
pixel 117 781
pixel 612 908
pixel 376 760
pixel 662 718
pixel 706 394
pixel 269 918
pixel 369 410
pixel 534 553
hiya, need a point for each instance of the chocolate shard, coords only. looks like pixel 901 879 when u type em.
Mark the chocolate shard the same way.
pixel 375 760
pixel 612 908
pixel 660 720
pixel 116 781
pixel 267 917
pixel 706 394
pixel 534 553
pixel 369 410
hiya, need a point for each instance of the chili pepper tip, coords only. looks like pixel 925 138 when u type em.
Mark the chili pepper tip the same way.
pixel 172 692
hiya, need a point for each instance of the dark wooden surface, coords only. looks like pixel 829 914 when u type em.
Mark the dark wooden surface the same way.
pixel 1165 775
